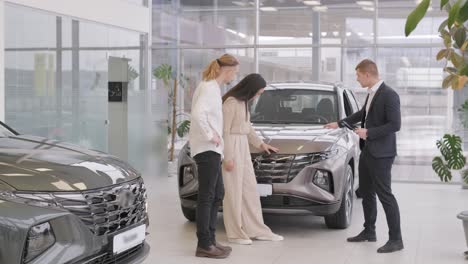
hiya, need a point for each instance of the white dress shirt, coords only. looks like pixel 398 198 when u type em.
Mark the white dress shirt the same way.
pixel 371 93
pixel 206 118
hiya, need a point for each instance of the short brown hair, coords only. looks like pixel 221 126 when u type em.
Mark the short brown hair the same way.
pixel 368 66
pixel 213 69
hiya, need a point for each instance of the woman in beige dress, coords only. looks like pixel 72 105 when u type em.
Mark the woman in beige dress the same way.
pixel 242 211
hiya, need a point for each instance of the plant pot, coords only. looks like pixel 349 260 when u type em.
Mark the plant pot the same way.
pixel 464 217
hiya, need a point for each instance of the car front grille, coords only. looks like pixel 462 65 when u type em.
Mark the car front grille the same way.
pixel 108 258
pixel 279 168
pixel 109 209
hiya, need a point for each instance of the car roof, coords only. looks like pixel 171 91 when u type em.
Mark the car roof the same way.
pixel 304 85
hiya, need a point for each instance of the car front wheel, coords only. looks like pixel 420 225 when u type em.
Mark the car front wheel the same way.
pixel 342 218
pixel 189 213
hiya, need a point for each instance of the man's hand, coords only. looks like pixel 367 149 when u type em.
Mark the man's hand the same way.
pixel 216 139
pixel 331 125
pixel 361 132
pixel 228 165
pixel 267 148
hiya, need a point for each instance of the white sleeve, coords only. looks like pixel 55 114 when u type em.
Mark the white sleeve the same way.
pixel 200 113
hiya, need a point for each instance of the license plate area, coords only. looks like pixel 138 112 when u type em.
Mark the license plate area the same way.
pixel 128 239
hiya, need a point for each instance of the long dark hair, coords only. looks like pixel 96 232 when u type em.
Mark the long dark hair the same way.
pixel 246 89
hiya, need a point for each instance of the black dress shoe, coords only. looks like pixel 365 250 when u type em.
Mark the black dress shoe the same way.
pixel 364 236
pixel 391 246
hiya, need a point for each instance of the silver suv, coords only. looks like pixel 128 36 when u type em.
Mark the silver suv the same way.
pixel 316 168
pixel 60 203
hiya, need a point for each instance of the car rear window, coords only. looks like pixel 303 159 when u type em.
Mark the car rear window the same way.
pixel 295 106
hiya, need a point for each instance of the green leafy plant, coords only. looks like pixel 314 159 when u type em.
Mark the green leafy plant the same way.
pixel 464 114
pixel 454 33
pixel 450 146
pixel 168 76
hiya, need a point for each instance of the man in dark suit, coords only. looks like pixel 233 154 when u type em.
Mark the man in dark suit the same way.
pixel 380 118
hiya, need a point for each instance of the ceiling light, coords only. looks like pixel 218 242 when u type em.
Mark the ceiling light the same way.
pixel 365 3
pixel 368 8
pixel 336 33
pixel 320 8
pixel 360 34
pixel 348 34
pixel 268 9
pixel 324 34
pixel 311 34
pixel 231 31
pixel 311 3
pixel 242 35
pixel 239 3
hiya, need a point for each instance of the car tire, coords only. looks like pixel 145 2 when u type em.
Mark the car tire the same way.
pixel 342 218
pixel 189 213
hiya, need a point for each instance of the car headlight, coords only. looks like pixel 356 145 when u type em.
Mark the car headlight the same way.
pixel 323 180
pixel 188 174
pixel 35 199
pixel 40 238
pixel 319 156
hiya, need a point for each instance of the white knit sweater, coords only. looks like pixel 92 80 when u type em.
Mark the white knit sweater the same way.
pixel 206 118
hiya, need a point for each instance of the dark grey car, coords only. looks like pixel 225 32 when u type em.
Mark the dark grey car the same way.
pixel 60 203
pixel 316 168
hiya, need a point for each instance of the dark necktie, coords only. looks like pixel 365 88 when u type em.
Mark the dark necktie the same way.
pixel 362 142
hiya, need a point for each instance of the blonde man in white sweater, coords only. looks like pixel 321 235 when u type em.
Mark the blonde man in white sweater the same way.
pixel 206 146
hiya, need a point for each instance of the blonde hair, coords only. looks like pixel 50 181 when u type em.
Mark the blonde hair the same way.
pixel 368 66
pixel 213 70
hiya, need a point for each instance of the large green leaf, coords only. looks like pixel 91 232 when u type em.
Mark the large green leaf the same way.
pixel 441 169
pixel 442 3
pixel 183 128
pixel 451 149
pixel 447 81
pixel 465 176
pixel 415 17
pixel 463 15
pixel 464 70
pixel 460 36
pixel 453 14
pixel 163 72
pixel 443 25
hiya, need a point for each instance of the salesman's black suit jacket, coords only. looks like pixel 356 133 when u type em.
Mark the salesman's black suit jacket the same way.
pixel 383 120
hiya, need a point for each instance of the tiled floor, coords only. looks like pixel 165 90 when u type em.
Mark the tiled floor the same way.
pixel 432 233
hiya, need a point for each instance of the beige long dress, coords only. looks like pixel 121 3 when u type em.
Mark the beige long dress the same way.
pixel 241 205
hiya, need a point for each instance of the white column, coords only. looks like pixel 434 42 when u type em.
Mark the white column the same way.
pixel 2 61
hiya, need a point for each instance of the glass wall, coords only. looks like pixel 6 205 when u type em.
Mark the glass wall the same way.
pixel 323 41
pixel 57 73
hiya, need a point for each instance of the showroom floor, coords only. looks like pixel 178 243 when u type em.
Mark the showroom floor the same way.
pixel 431 231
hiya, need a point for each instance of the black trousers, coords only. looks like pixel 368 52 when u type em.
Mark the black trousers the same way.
pixel 210 196
pixel 375 178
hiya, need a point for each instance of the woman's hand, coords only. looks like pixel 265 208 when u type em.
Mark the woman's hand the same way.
pixel 228 165
pixel 267 148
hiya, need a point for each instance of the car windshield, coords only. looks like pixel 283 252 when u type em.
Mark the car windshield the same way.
pixel 4 132
pixel 299 106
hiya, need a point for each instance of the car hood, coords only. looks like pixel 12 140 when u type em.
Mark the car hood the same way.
pixel 30 163
pixel 292 139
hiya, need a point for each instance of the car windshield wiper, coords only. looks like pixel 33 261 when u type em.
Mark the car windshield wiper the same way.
pixel 270 122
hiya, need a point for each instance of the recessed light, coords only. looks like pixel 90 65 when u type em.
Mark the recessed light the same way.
pixel 324 34
pixel 311 3
pixel 348 34
pixel 360 34
pixel 336 33
pixel 368 8
pixel 365 3
pixel 320 8
pixel 268 9
pixel 239 3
